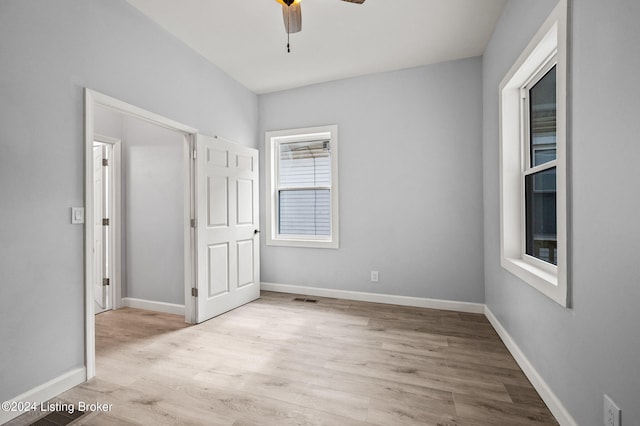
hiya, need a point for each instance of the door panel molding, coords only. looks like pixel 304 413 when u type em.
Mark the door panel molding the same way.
pixel 239 198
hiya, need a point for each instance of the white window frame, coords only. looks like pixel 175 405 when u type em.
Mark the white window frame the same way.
pixel 548 46
pixel 272 141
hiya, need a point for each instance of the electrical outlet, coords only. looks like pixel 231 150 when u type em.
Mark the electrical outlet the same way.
pixel 374 276
pixel 612 414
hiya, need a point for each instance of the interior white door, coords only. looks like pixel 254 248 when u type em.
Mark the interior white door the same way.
pixel 227 236
pixel 99 270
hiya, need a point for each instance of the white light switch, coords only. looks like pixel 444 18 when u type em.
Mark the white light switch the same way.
pixel 77 215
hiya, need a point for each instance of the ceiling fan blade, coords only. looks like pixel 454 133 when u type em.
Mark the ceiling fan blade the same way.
pixel 355 1
pixel 292 16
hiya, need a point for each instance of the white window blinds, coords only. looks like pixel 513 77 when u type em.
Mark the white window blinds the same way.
pixel 304 188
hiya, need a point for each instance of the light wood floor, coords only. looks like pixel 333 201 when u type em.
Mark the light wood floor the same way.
pixel 280 362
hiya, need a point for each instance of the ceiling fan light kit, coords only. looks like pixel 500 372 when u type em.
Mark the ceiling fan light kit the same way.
pixel 292 15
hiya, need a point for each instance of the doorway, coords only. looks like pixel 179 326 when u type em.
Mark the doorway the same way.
pixel 219 218
pixel 114 255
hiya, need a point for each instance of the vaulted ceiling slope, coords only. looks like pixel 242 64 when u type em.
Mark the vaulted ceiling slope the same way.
pixel 247 39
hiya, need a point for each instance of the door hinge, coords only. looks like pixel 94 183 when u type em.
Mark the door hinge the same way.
pixel 105 281
pixel 105 222
pixel 194 223
pixel 194 292
pixel 195 154
pixel 105 162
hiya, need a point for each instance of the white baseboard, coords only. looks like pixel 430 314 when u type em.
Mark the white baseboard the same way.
pixel 448 305
pixel 46 391
pixel 553 402
pixel 150 305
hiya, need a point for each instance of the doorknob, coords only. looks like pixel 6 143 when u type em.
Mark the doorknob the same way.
pixel 256 231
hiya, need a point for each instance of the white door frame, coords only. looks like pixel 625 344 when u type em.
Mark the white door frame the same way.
pixel 93 99
pixel 114 214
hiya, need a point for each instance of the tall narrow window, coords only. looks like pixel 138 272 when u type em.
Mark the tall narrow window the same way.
pixel 533 161
pixel 302 200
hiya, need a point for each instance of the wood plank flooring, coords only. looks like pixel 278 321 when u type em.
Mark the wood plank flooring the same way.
pixel 280 362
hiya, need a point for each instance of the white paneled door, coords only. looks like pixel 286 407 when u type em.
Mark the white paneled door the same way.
pixel 227 236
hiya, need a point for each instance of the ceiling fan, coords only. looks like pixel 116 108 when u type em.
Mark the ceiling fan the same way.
pixel 292 15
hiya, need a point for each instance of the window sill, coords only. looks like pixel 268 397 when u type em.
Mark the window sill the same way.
pixel 529 273
pixel 301 242
pixel 542 280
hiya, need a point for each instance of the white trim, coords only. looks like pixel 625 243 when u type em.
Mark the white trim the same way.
pixel 419 302
pixel 140 113
pixel 106 139
pixel 90 326
pixel 46 391
pixel 290 135
pixel 541 167
pixel 150 305
pixel 189 232
pixel 553 402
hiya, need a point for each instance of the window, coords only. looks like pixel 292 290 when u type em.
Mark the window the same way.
pixel 302 199
pixel 539 174
pixel 533 189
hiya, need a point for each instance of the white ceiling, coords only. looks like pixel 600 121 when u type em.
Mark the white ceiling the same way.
pixel 246 38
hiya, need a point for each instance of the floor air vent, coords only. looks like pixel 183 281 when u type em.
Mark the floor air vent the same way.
pixel 58 418
pixel 302 299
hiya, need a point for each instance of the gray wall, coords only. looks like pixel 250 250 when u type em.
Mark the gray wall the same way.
pixel 591 349
pixel 49 51
pixel 152 206
pixel 410 182
pixel 153 212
